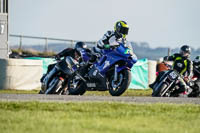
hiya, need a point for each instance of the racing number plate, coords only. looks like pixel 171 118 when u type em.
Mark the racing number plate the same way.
pixel 173 75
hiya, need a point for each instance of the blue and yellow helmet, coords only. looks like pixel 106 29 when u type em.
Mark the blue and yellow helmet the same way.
pixel 121 28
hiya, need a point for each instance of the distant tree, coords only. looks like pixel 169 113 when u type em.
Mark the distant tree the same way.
pixel 144 44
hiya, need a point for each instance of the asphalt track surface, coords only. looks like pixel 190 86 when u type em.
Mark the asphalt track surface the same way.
pixel 122 99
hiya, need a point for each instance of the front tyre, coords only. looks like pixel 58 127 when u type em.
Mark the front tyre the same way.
pixel 54 85
pixel 162 90
pixel 117 88
pixel 40 92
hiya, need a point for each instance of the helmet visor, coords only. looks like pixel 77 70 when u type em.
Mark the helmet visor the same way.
pixel 84 46
pixel 124 30
pixel 185 54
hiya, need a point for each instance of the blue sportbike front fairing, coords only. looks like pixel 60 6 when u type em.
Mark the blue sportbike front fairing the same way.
pixel 122 54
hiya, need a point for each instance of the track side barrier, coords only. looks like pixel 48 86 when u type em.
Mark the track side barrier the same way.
pixel 20 74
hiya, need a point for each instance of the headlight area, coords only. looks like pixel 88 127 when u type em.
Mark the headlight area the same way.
pixel 134 57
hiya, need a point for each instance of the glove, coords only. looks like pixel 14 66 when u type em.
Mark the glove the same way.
pixel 165 58
pixel 57 57
pixel 186 79
pixel 106 46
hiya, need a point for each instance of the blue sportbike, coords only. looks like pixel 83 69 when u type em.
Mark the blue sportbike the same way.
pixel 111 71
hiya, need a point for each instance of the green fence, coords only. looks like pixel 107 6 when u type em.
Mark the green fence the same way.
pixel 139 75
pixel 46 62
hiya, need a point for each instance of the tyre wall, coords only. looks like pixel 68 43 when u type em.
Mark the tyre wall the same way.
pixel 20 74
pixel 151 71
pixel 143 74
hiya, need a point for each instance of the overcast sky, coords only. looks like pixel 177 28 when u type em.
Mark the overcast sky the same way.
pixel 158 22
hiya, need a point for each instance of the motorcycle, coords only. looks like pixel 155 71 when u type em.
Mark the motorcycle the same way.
pixel 112 72
pixel 56 80
pixel 167 85
pixel 195 84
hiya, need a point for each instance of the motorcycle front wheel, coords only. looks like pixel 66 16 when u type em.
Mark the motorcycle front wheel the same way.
pixel 162 90
pixel 54 85
pixel 117 88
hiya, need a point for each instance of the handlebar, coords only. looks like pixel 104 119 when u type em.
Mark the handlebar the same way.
pixel 167 65
pixel 114 46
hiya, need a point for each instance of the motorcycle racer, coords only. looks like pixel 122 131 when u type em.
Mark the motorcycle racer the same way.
pixel 111 38
pixel 76 53
pixel 183 65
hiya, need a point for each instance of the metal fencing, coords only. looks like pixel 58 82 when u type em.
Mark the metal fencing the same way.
pixel 46 43
pixel 4 29
pixel 3 6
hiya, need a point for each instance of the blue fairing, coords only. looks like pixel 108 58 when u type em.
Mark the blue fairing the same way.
pixel 84 55
pixel 122 68
pixel 111 56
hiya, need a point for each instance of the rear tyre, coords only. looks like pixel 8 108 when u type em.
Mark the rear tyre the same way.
pixel 117 88
pixel 76 86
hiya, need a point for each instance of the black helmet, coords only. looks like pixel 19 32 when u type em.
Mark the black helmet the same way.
pixel 80 45
pixel 185 51
pixel 197 60
pixel 121 28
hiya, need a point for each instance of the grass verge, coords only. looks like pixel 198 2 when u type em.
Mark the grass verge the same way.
pixel 129 92
pixel 98 117
pixel 9 91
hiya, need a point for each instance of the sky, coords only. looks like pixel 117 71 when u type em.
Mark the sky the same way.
pixel 161 23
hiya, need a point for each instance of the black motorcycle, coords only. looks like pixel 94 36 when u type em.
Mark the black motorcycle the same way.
pixel 55 81
pixel 167 85
pixel 195 84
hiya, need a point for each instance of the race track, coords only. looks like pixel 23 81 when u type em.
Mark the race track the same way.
pixel 123 99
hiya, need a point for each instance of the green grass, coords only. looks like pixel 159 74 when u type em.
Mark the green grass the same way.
pixel 98 117
pixel 9 91
pixel 128 92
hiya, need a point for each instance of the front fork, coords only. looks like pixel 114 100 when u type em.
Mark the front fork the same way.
pixel 46 79
pixel 115 73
